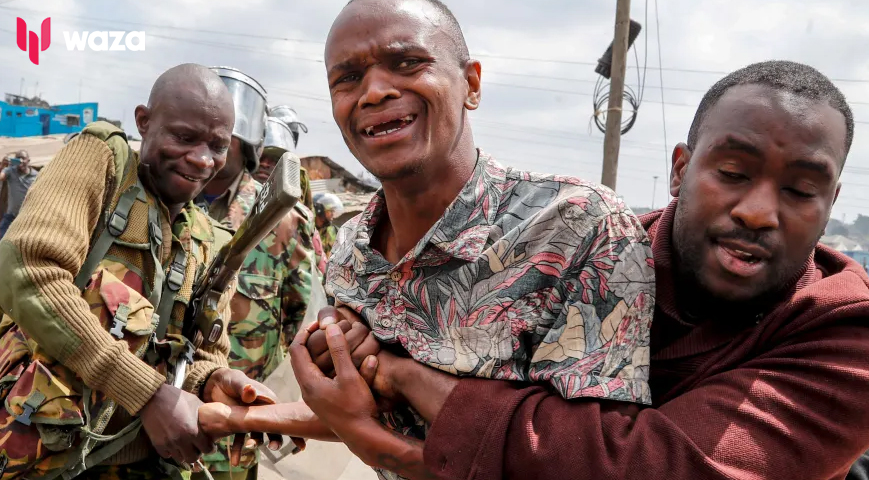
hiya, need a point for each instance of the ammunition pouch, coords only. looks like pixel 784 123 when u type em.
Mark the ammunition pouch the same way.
pixel 52 425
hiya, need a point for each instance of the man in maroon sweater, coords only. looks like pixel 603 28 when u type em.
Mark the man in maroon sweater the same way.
pixel 760 341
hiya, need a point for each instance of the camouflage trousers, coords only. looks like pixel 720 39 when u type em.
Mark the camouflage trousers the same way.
pixel 144 470
pixel 249 474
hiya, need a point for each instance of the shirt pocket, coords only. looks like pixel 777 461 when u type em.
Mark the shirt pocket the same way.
pixel 114 297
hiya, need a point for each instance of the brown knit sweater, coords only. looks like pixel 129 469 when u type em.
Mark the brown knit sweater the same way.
pixel 44 250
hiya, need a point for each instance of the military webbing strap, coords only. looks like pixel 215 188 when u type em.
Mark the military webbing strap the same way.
pixel 155 234
pixel 174 282
pixel 115 226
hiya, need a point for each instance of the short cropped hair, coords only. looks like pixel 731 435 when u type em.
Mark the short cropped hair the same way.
pixel 792 77
pixel 454 30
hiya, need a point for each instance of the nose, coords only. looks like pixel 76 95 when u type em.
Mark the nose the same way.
pixel 377 87
pixel 758 209
pixel 200 157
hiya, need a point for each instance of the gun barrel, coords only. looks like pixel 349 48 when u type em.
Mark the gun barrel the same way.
pixel 278 196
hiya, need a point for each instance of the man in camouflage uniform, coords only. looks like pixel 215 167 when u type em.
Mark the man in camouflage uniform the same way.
pixel 97 276
pixel 328 206
pixel 275 280
pixel 267 163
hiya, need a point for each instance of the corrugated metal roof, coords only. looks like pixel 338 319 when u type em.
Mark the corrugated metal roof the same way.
pixel 841 243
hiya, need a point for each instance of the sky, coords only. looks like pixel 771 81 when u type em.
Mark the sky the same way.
pixel 538 63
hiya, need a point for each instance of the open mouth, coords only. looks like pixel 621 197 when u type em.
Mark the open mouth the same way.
pixel 189 178
pixel 389 127
pixel 742 260
pixel 743 256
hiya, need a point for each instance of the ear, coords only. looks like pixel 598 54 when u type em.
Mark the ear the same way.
pixel 473 74
pixel 681 158
pixel 143 119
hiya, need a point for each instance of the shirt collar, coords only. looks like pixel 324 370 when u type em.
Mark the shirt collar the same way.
pixel 462 230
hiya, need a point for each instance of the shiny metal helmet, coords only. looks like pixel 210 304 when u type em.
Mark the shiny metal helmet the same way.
pixel 324 202
pixel 251 109
pixel 278 137
pixel 291 118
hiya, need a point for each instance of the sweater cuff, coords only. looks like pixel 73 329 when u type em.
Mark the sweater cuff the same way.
pixel 140 383
pixel 467 425
pixel 198 375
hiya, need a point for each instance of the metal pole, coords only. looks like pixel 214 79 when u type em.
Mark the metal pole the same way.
pixel 654 188
pixel 612 138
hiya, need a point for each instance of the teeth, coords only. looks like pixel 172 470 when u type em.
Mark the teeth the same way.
pixel 405 120
pixel 745 255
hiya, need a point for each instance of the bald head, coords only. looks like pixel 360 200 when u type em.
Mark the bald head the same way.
pixel 189 79
pixel 435 12
pixel 186 130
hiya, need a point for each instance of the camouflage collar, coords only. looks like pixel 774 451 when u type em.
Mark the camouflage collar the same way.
pixel 191 221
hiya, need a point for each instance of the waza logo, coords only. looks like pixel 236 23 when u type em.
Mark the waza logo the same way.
pixel 37 43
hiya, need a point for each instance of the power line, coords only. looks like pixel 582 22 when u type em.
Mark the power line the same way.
pixel 661 80
pixel 321 42
pixel 566 92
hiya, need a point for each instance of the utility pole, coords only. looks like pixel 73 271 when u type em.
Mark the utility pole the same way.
pixel 654 188
pixel 612 138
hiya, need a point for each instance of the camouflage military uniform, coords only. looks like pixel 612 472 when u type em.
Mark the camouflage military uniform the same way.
pixel 274 286
pixel 328 235
pixel 70 391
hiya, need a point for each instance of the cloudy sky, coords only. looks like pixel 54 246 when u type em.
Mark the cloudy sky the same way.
pixel 538 69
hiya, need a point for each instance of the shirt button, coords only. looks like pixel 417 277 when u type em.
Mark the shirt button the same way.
pixel 396 276
pixel 386 323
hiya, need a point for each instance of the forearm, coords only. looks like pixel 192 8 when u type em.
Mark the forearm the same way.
pixel 724 428
pixel 292 419
pixel 391 451
pixel 424 388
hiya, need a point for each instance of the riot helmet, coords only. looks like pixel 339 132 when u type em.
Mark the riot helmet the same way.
pixel 251 109
pixel 289 116
pixel 328 202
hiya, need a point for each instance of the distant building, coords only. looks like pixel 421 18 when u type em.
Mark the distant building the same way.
pixel 841 243
pixel 30 117
pixel 861 257
pixel 328 176
pixel 849 247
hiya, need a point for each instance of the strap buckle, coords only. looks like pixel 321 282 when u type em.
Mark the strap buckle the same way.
pixel 120 321
pixel 177 269
pixel 117 223
pixel 30 406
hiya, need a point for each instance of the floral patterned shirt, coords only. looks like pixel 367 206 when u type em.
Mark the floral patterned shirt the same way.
pixel 526 277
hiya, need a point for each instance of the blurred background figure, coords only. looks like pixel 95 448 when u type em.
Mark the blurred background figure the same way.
pixel 18 176
pixel 327 206
pixel 283 130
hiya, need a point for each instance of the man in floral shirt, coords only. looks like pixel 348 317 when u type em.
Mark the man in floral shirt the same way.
pixel 463 264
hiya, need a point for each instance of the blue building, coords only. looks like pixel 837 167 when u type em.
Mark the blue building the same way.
pixel 861 256
pixel 25 117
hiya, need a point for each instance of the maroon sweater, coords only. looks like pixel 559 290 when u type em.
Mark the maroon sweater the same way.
pixel 781 396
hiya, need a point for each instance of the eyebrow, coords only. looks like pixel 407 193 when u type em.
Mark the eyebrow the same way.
pixel 394 49
pixel 732 144
pixel 813 166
